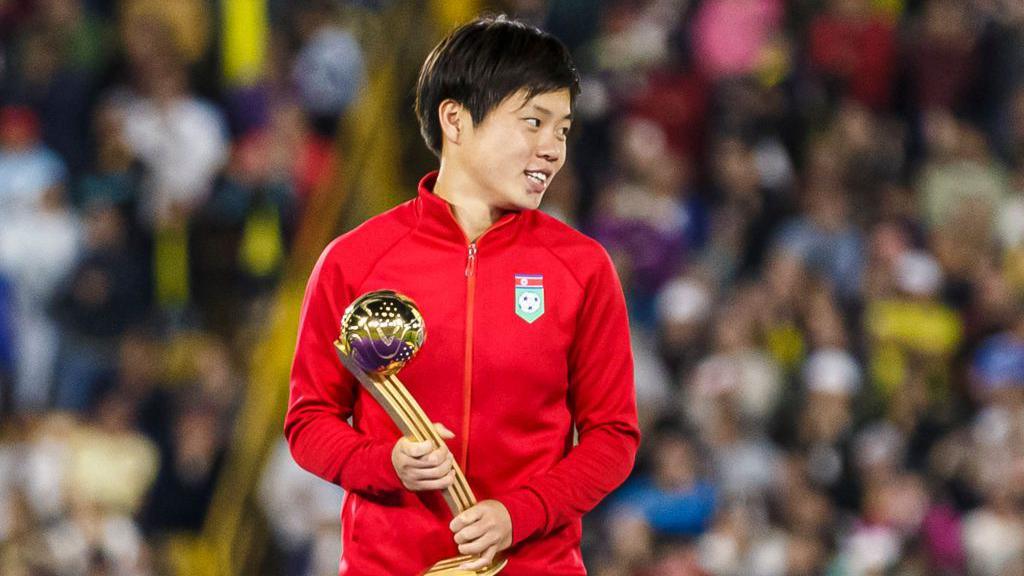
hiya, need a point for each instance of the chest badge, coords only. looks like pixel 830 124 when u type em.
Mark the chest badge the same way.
pixel 529 296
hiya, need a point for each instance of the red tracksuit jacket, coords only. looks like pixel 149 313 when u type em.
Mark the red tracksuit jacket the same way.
pixel 511 390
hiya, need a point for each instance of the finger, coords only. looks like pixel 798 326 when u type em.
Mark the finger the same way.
pixel 415 449
pixel 465 519
pixel 478 547
pixel 470 533
pixel 429 473
pixel 479 537
pixel 443 431
pixel 439 484
pixel 432 459
pixel 483 561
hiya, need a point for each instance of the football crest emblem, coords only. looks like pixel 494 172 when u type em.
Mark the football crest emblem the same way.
pixel 529 296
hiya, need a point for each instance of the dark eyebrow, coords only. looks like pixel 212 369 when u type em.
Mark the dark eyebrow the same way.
pixel 549 113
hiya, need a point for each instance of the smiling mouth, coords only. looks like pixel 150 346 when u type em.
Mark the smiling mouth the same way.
pixel 540 177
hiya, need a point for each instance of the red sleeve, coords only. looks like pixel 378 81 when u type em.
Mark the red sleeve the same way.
pixel 323 394
pixel 603 401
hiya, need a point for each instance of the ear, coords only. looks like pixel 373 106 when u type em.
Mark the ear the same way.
pixel 451 115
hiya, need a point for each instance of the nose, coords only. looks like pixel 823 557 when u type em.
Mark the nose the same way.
pixel 551 148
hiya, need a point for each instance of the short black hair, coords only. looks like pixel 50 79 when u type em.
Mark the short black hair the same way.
pixel 485 61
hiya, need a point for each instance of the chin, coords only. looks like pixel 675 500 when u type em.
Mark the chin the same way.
pixel 530 203
pixel 523 201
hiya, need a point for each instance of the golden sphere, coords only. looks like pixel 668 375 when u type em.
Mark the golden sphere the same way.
pixel 381 331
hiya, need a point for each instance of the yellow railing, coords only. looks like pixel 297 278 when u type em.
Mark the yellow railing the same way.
pixel 233 536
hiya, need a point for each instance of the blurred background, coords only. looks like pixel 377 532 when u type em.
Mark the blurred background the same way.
pixel 816 208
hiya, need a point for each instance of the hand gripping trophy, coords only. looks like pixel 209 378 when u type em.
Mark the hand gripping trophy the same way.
pixel 380 332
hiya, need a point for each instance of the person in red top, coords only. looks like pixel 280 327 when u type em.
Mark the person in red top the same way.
pixel 526 369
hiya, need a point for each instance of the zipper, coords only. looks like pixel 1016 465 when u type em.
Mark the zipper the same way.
pixel 467 383
pixel 471 261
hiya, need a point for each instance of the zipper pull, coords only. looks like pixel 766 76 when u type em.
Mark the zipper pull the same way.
pixel 471 261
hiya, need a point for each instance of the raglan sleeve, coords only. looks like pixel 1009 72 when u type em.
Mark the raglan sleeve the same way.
pixel 322 393
pixel 603 402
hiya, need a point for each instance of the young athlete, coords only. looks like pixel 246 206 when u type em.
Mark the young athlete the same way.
pixel 527 338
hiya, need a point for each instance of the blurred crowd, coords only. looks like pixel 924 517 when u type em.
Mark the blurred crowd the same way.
pixel 816 208
pixel 148 201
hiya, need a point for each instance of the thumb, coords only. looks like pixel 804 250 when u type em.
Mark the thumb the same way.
pixel 443 431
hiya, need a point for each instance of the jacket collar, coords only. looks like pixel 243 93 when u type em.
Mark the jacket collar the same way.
pixel 437 220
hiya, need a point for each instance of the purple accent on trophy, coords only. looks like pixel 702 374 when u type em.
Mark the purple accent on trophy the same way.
pixel 374 355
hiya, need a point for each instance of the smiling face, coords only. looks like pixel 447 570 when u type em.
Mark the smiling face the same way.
pixel 511 156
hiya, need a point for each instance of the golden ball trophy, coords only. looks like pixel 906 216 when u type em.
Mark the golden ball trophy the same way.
pixel 380 332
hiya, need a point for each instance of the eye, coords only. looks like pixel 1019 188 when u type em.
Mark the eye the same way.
pixel 564 132
pixel 534 122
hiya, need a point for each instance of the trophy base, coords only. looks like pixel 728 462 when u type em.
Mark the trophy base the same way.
pixel 450 567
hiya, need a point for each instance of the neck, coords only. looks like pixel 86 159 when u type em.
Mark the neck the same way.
pixel 473 214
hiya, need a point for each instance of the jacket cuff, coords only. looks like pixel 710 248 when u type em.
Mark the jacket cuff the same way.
pixel 527 511
pixel 386 478
pixel 376 475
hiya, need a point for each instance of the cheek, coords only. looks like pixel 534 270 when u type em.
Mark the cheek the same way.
pixel 508 151
pixel 516 142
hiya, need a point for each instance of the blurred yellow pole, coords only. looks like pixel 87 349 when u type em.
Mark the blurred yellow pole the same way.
pixel 244 44
pixel 450 13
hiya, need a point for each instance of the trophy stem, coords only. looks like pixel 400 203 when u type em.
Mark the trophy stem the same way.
pixel 410 418
pixel 407 414
pixel 459 496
